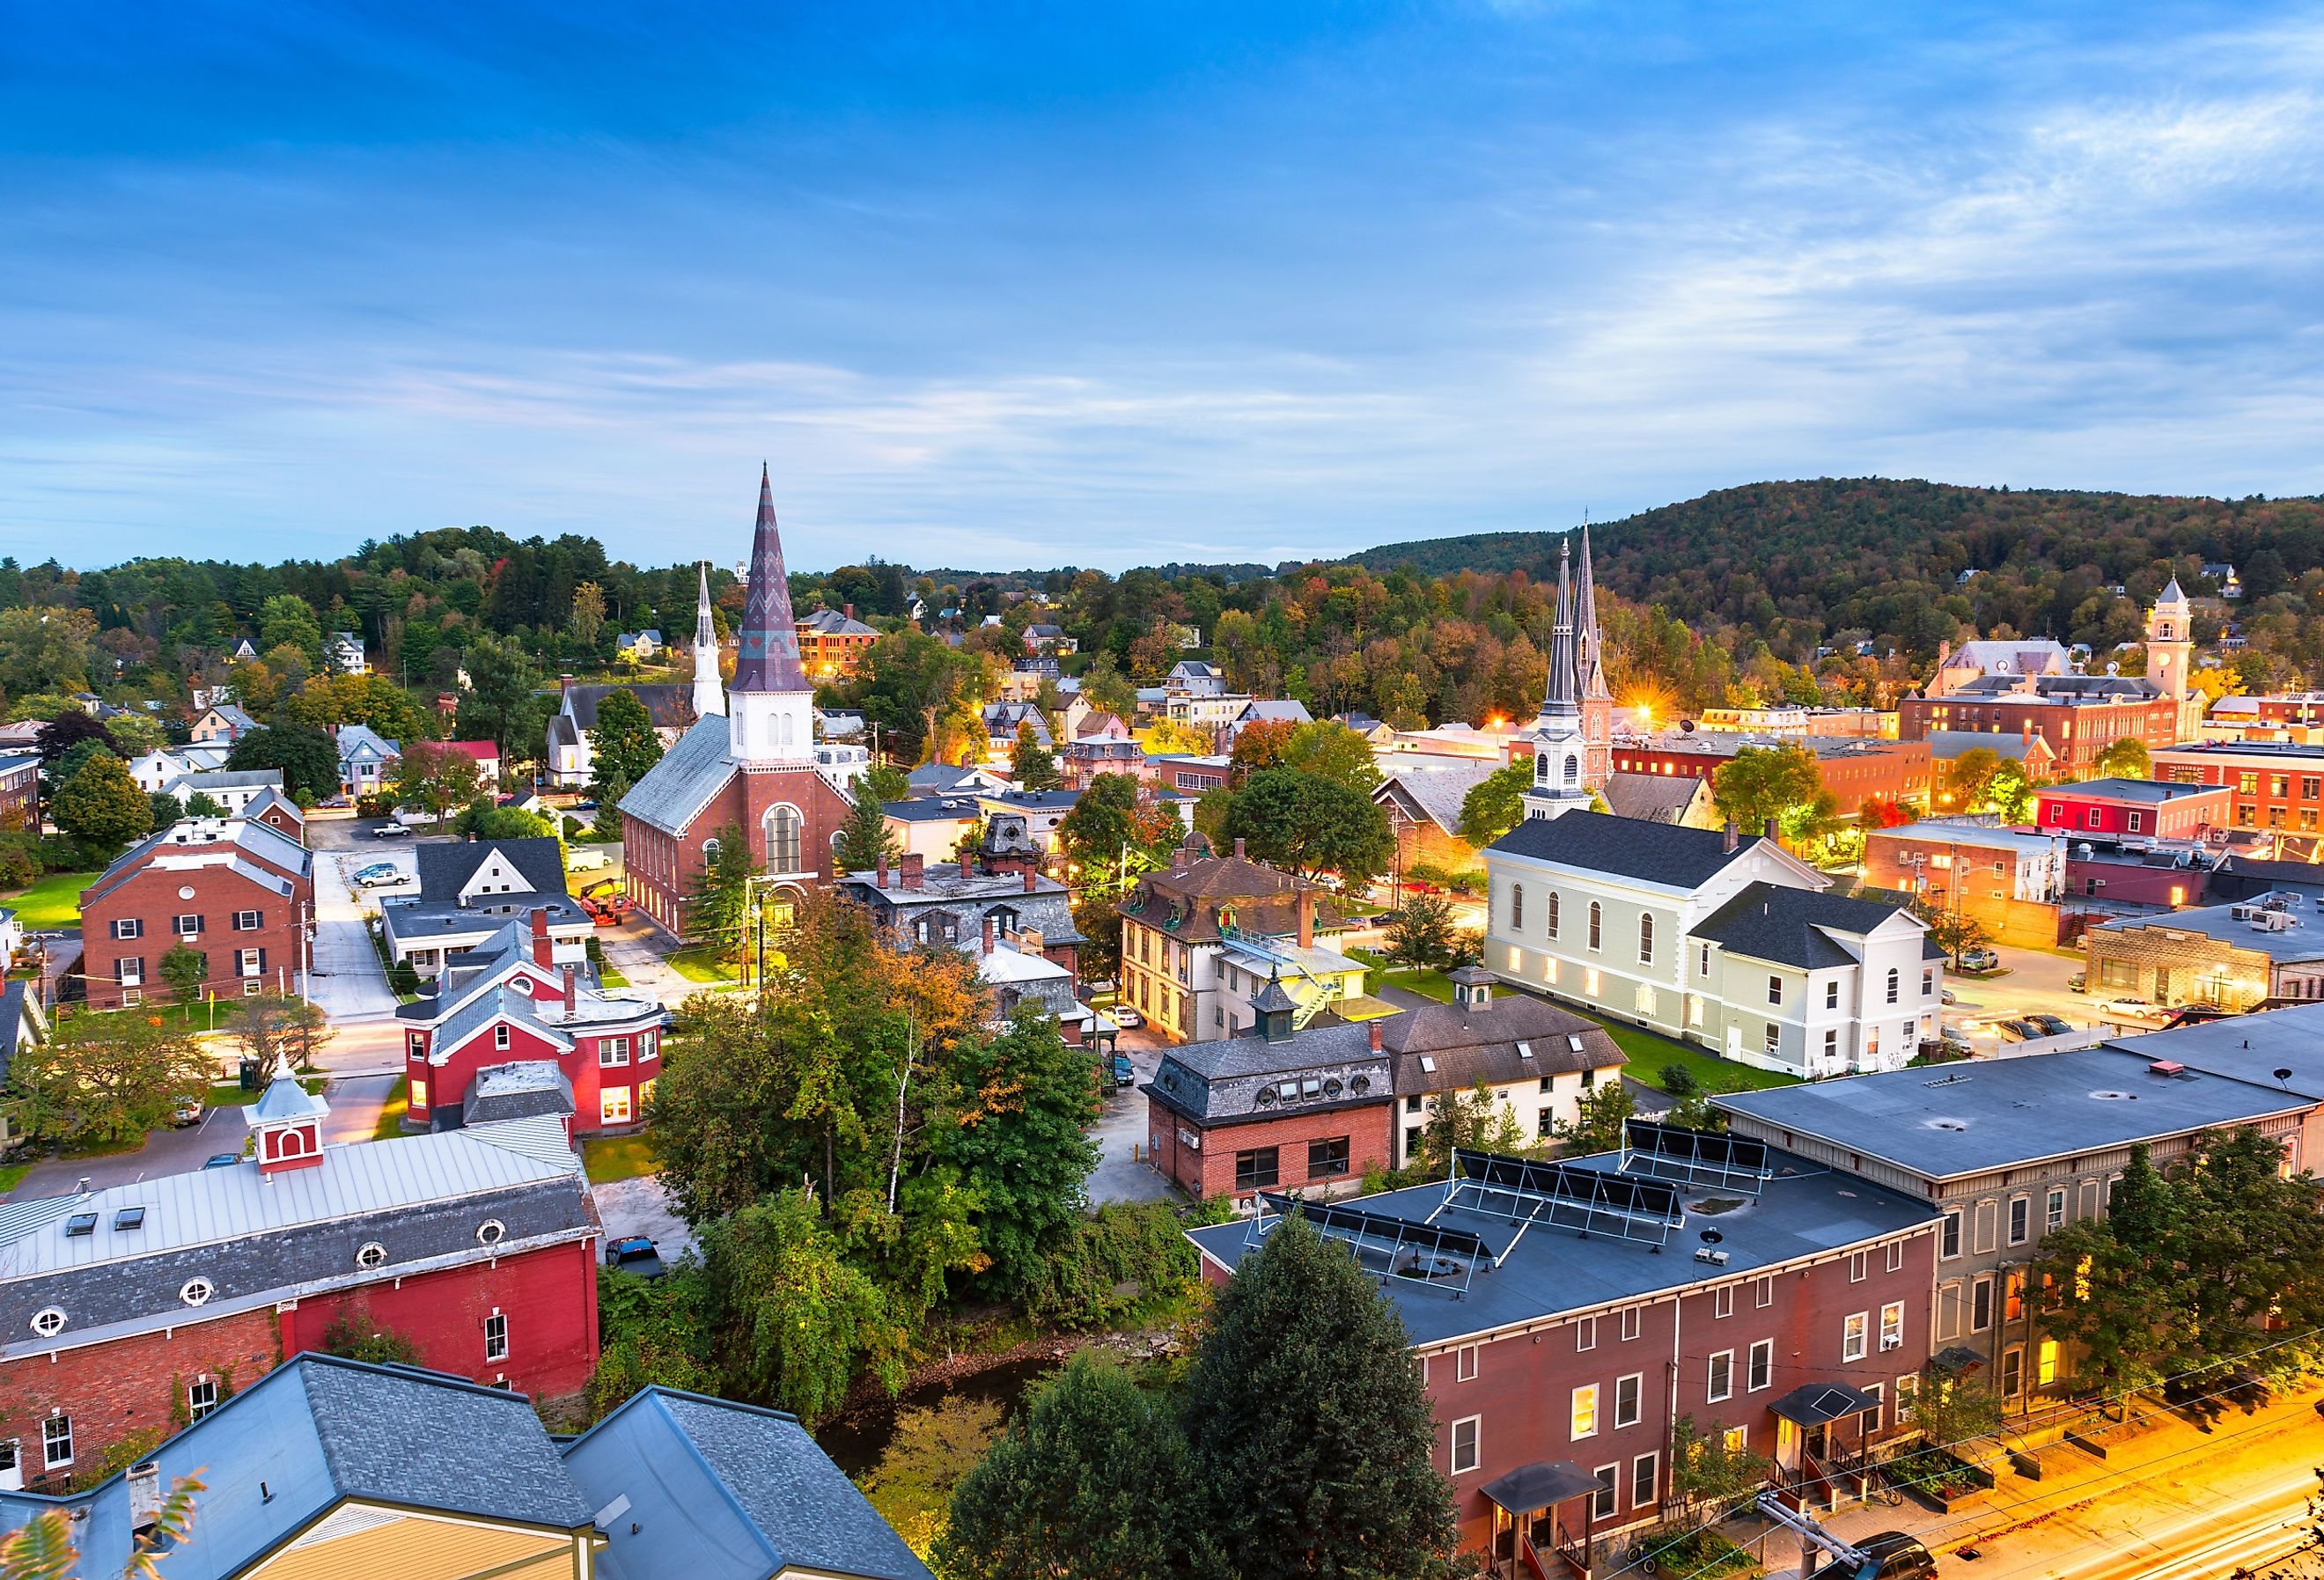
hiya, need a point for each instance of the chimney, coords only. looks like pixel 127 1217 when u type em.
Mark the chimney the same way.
pixel 1239 850
pixel 1770 830
pixel 1306 903
pixel 914 869
pixel 988 932
pixel 2029 732
pixel 564 684
pixel 144 1495
pixel 569 1006
pixel 847 611
pixel 541 937
pixel 1733 836
pixel 881 869
pixel 1374 1030
pixel 1032 876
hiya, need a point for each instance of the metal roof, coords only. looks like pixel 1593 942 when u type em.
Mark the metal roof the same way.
pixel 688 778
pixel 1629 847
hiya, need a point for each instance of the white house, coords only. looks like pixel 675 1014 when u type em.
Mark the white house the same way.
pixel 345 648
pixel 1702 936
pixel 221 725
pixel 366 760
pixel 234 789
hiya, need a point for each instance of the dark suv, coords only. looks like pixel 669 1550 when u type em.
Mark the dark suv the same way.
pixel 1894 1556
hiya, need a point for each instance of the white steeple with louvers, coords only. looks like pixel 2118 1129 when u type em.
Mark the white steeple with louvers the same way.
pixel 1560 747
pixel 709 692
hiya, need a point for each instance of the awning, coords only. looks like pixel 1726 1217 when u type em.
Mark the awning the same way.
pixel 1817 1403
pixel 1531 1487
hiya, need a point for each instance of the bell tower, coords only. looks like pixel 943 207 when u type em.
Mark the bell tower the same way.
pixel 2170 652
pixel 1560 747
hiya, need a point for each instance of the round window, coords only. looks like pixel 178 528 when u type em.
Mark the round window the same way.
pixel 372 1254
pixel 1359 1085
pixel 1331 1085
pixel 196 1291
pixel 1266 1098
pixel 187 893
pixel 49 1321
pixel 490 1231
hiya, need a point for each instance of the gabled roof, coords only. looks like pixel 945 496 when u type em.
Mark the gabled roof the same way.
pixel 1212 1082
pixel 362 740
pixel 446 867
pixel 1652 798
pixel 1435 788
pixel 218 779
pixel 669 704
pixel 1627 848
pixel 482 750
pixel 1514 1036
pixel 1794 927
pixel 675 789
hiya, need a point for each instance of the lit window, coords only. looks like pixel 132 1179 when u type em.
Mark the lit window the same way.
pixel 1852 1338
pixel 1584 1423
pixel 1892 1325
pixel 613 1105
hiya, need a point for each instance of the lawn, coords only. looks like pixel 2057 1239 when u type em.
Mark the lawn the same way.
pixel 12 1174
pixel 391 1118
pixel 701 964
pixel 1428 985
pixel 52 902
pixel 610 975
pixel 612 1158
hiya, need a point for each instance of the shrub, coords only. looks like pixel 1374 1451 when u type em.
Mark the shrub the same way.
pixel 1117 1257
pixel 403 977
pixel 352 1337
pixel 1678 1080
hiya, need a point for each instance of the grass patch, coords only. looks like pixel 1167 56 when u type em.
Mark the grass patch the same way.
pixel 1428 985
pixel 700 964
pixel 610 975
pixel 12 1174
pixel 391 1118
pixel 52 902
pixel 1650 1051
pixel 612 1158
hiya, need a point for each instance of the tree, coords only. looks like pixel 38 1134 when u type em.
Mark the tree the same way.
pixel 354 1334
pixel 1955 932
pixel 101 807
pixel 328 701
pixel 1968 775
pixel 46 649
pixel 186 970
pixel 272 1027
pixel 1031 764
pixel 436 778
pixel 1331 750
pixel 930 1452
pixel 793 1315
pixel 1261 745
pixel 622 744
pixel 2126 759
pixel 1762 783
pixel 501 680
pixel 2011 792
pixel 307 758
pixel 1950 1411
pixel 886 782
pixel 58 738
pixel 1495 804
pixel 1309 1433
pixel 482 818
pixel 1600 1120
pixel 1475 1121
pixel 286 620
pixel 589 616
pixel 1114 830
pixel 41 1548
pixel 1706 1469
pixel 1307 824
pixel 1100 924
pixel 103 1079
pixel 166 807
pixel 200 804
pixel 864 839
pixel 718 912
pixel 1422 935
pixel 1019 1107
pixel 1092 1482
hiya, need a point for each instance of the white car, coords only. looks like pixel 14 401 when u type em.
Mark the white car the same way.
pixel 1127 1019
pixel 390 829
pixel 587 861
pixel 2132 1010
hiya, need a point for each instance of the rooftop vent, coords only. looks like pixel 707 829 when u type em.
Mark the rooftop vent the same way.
pixel 2166 1067
pixel 1951 1124
pixel 1715 1258
pixel 2114 1096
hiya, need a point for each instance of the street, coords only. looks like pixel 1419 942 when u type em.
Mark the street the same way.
pixel 346 979
pixel 1121 1130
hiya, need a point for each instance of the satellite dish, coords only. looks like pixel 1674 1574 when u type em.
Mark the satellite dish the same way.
pixel 2284 1076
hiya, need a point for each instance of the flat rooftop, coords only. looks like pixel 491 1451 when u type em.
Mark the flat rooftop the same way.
pixel 2286 749
pixel 1936 831
pixel 2303 940
pixel 2247 1048
pixel 2144 791
pixel 1541 1272
pixel 1943 1121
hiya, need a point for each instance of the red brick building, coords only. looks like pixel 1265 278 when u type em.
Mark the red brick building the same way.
pixel 238 891
pixel 752 770
pixel 2138 807
pixel 2273 784
pixel 509 1033
pixel 2077 715
pixel 130 1308
pixel 831 640
pixel 1797 1320
pixel 1854 771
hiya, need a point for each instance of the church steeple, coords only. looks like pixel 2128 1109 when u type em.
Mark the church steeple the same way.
pixel 769 708
pixel 1589 664
pixel 709 693
pixel 1558 745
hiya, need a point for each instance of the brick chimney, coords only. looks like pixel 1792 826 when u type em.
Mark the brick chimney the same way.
pixel 847 611
pixel 880 871
pixel 1771 830
pixel 1239 850
pixel 564 684
pixel 540 941
pixel 1032 877
pixel 571 1005
pixel 988 932
pixel 1734 837
pixel 1306 905
pixel 914 869
pixel 1373 1027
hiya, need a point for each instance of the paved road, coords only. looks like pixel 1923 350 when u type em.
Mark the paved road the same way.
pixel 347 980
pixel 628 1207
pixel 637 950
pixel 1119 1175
pixel 2033 982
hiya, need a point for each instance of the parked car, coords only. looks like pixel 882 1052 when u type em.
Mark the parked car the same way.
pixel 1945 997
pixel 2017 1030
pixel 1102 987
pixel 1123 1074
pixel 2132 1010
pixel 379 872
pixel 587 861
pixel 1979 959
pixel 390 829
pixel 222 1159
pixel 1126 1018
pixel 2051 1025
pixel 188 1113
pixel 1892 1556
pixel 2077 983
pixel 636 1254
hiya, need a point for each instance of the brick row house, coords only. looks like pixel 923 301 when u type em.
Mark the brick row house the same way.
pixel 237 890
pixel 125 1309
pixel 510 1032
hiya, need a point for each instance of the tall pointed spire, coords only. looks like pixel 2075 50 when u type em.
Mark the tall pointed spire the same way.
pixel 767 655
pixel 1589 665
pixel 1561 697
pixel 709 693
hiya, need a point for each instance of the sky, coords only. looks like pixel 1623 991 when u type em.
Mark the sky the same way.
pixel 1005 285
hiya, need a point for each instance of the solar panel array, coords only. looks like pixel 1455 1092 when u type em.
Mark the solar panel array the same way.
pixel 1695 1157
pixel 1434 1253
pixel 1590 1201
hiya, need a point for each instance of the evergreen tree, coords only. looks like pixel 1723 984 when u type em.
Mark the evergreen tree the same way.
pixel 1312 1446
pixel 1022 1102
pixel 1032 765
pixel 307 758
pixel 865 838
pixel 622 745
pixel 718 912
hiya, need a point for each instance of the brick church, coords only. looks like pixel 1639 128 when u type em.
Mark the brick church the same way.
pixel 747 763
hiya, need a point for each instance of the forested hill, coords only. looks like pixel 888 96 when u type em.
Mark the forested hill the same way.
pixel 1830 556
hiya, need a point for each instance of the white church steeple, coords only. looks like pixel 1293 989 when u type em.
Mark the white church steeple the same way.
pixel 709 693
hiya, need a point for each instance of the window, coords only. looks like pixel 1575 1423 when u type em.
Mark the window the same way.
pixel 2021 1211
pixel 1597 923
pixel 501 1037
pixel 1774 1043
pixel 129 927
pixel 49 1321
pixel 2055 1216
pixel 1852 1337
pixel 1723 1300
pixel 371 1254
pixel 783 825
pixel 1980 1305
pixel 2118 974
pixel 1871 1416
pixel 1590 982
pixel 1856 1267
pixel 1739 1439
pixel 1720 1382
pixel 1895 1255
pixel 1517 908
pixel 201 1398
pixel 1645 939
pixel 1896 983
pixel 1464 1364
pixel 56 1442
pixel 186 927
pixel 1892 1325
pixel 1552 918
pixel 1832 993
pixel 250 963
pixel 1631 1322
pixel 1928 982
pixel 129 970
pixel 1603 1497
pixel 1255 1167
pixel 496 1338
pixel 1832 1044
pixel 247 921
pixel 1703 969
pixel 1584 1421
pixel 2013 1372
pixel 1775 990
pixel 1908 1398
pixel 1585 1335
pixel 613 1105
pixel 612 1052
pixel 1465 1444
pixel 418 1092
pixel 1327 1159
pixel 1763 1291
pixel 196 1291
pixel 1759 1367
pixel 1646 1471
pixel 1949 1309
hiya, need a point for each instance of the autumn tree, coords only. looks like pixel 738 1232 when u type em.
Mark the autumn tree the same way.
pixel 1966 777
pixel 103 1079
pixel 435 778
pixel 1780 784
pixel 1114 831
pixel 1331 750
pixel 270 1028
pixel 588 615
pixel 1261 745
pixel 2127 758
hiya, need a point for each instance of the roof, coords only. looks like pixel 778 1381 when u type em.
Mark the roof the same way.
pixel 669 704
pixel 2289 875
pixel 1805 1210
pixel 1235 1077
pixel 1944 745
pixel 208 842
pixel 2145 791
pixel 2019 656
pixel 446 866
pixel 1652 798
pixel 226 712
pixel 950 809
pixel 1945 1121
pixel 836 622
pixel 1288 711
pixel 1629 847
pixel 482 750
pixel 1962 831
pixel 718 1490
pixel 1435 787
pixel 1513 1035
pixel 766 643
pixel 283 1099
pixel 2303 940
pixel 218 779
pixel 517 1091
pixel 687 779
pixel 1189 900
pixel 2247 1048
pixel 1795 927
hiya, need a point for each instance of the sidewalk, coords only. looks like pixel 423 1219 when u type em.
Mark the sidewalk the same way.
pixel 2172 1483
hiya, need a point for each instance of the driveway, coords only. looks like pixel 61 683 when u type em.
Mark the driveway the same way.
pixel 2034 983
pixel 638 950
pixel 347 980
pixel 628 1207
pixel 1121 1128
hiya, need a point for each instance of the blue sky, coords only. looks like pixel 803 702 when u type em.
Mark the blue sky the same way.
pixel 1004 285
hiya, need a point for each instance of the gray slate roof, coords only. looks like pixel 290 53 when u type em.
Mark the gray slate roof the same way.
pixel 1513 1038
pixel 517 1091
pixel 1219 1082
pixel 669 704
pixel 688 778
pixel 1652 853
pixel 1791 926
pixel 390 1434
pixel 1652 798
pixel 446 865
